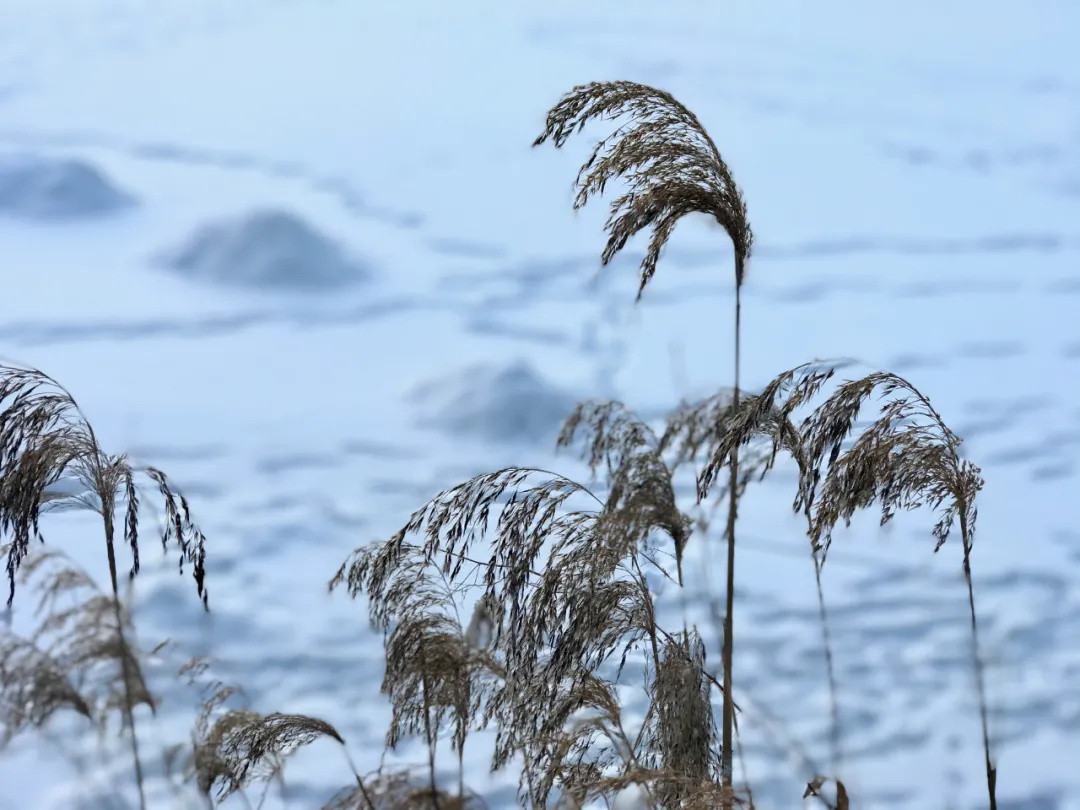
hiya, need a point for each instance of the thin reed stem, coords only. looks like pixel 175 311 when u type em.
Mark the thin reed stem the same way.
pixel 826 643
pixel 728 717
pixel 980 684
pixel 107 495
pixel 430 735
pixel 745 773
pixel 359 780
pixel 125 663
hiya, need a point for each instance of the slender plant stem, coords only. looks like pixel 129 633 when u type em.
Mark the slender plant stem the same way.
pixel 359 780
pixel 826 643
pixel 107 495
pixel 461 775
pixel 835 754
pixel 429 733
pixel 728 718
pixel 125 664
pixel 980 685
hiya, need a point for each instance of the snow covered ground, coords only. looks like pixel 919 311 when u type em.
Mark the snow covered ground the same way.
pixel 913 178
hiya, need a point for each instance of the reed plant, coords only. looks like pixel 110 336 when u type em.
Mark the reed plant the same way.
pixel 50 457
pixel 562 581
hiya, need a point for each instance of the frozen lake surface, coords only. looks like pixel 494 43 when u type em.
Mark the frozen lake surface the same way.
pixel 913 179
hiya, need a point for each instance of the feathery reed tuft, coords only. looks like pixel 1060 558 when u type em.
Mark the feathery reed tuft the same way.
pixel 76 656
pixel 694 432
pixel 563 593
pixel 45 439
pixel 614 437
pixel 669 162
pixel 33 687
pixel 906 459
pixel 235 747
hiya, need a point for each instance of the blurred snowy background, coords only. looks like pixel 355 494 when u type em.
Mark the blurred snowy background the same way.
pixel 300 254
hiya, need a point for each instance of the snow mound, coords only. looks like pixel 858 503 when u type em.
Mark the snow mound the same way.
pixel 265 248
pixel 507 404
pixel 43 188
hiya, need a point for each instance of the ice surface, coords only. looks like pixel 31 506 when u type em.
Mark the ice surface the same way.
pixel 264 249
pixel 47 188
pixel 508 404
pixel 911 175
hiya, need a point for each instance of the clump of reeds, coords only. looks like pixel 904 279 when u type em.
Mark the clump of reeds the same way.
pixel 436 670
pixel 233 747
pixel 79 655
pixel 672 168
pixel 562 576
pixel 560 573
pixel 562 568
pixel 905 459
pixel 45 672
pixel 45 441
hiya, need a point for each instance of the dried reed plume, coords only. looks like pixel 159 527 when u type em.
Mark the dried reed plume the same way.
pixel 672 168
pixel 33 687
pixel 670 164
pixel 564 594
pixel 906 459
pixel 234 747
pixel 45 439
pixel 614 438
pixel 76 656
pixel 243 746
pixel 437 674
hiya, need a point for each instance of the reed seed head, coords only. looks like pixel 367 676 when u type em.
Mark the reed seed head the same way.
pixel 668 161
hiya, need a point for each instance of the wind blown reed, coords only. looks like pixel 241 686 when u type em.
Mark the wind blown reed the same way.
pixel 562 582
pixel 672 168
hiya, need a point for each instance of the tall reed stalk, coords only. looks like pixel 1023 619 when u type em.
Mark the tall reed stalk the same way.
pixel 905 459
pixel 672 168
pixel 728 720
pixel 967 538
pixel 44 439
